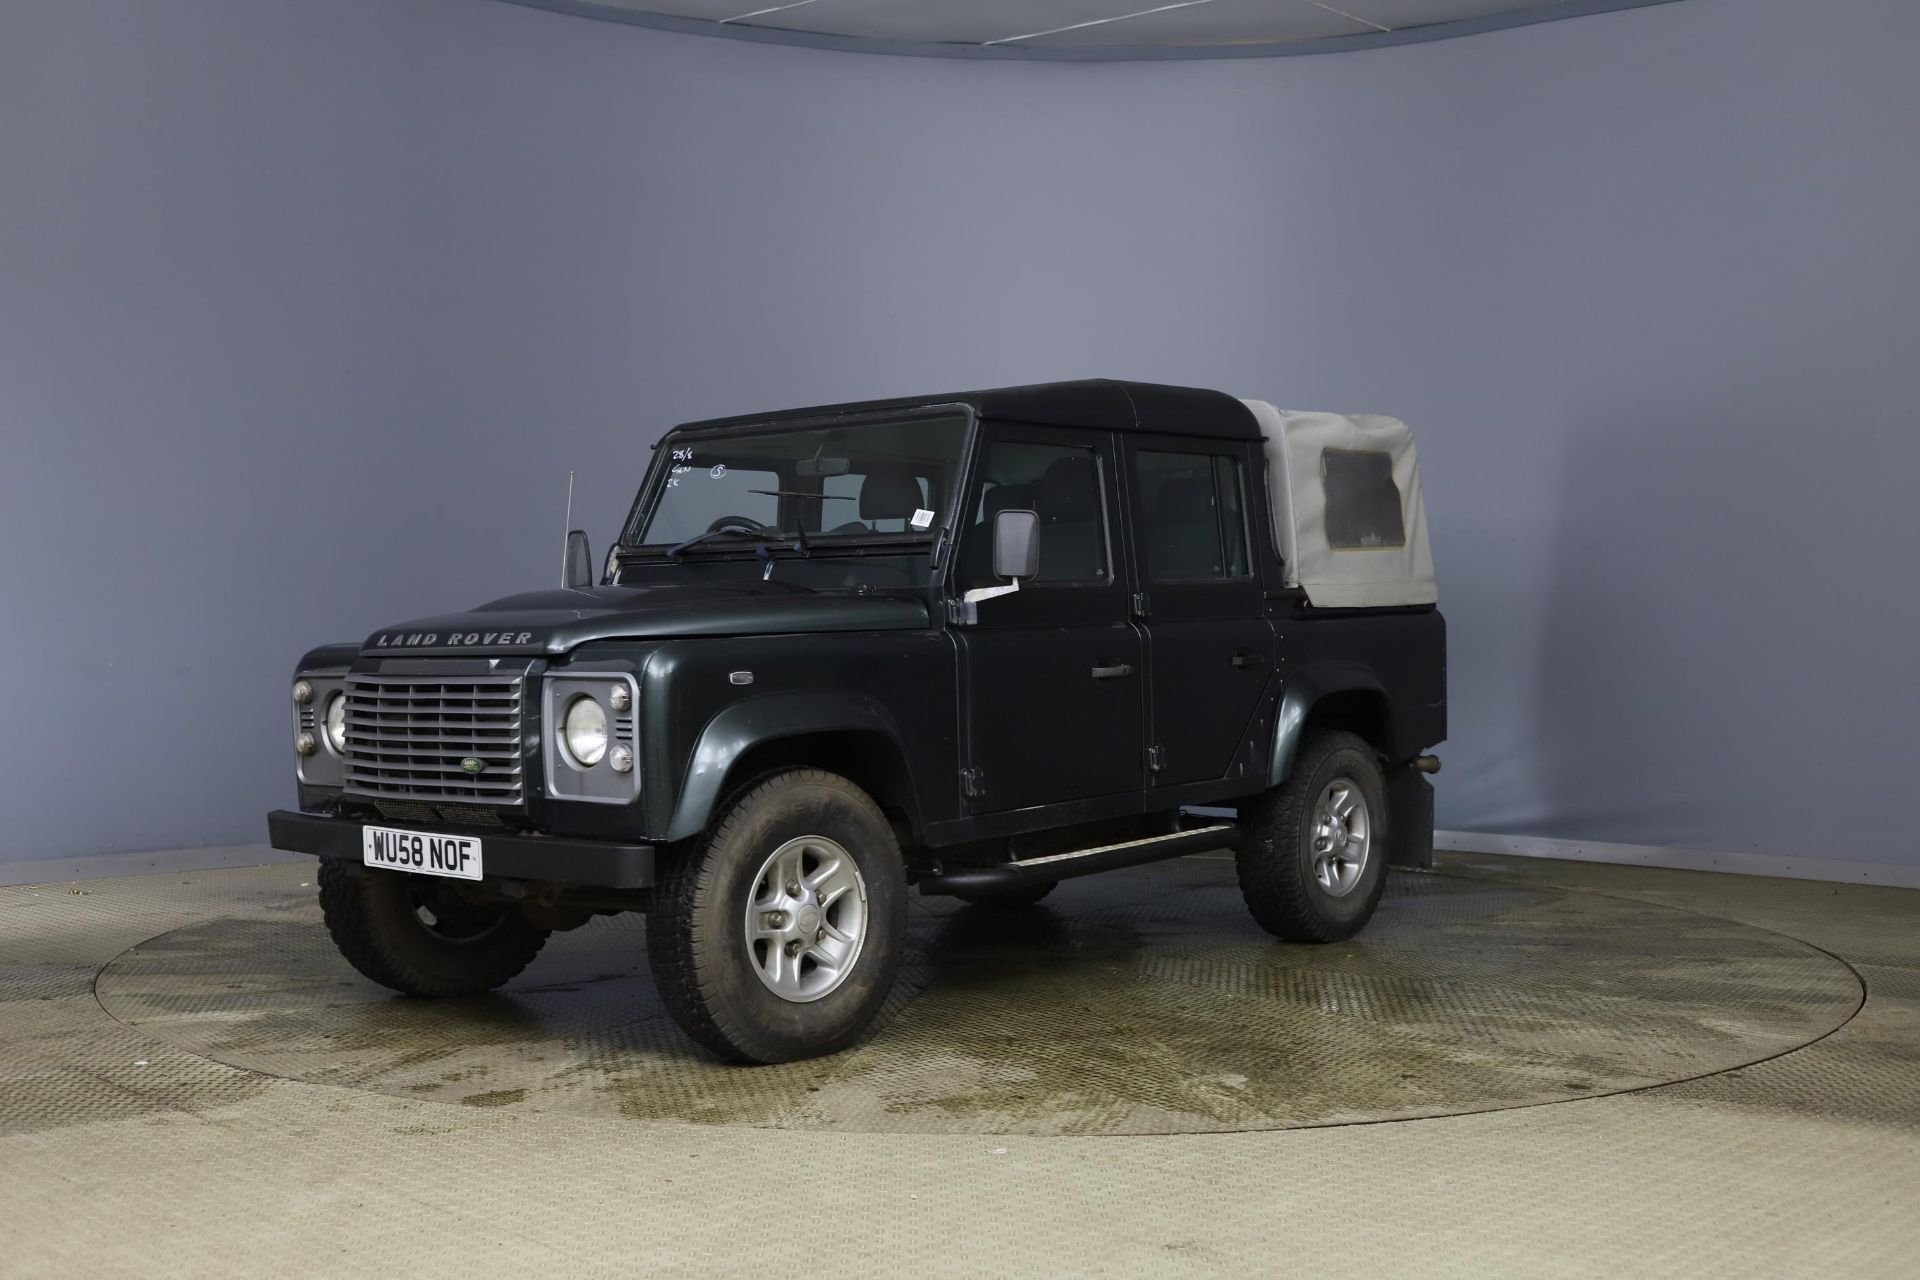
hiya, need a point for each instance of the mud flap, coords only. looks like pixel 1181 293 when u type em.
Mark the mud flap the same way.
pixel 1410 818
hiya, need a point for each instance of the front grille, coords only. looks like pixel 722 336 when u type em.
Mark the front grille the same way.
pixel 409 736
pixel 466 815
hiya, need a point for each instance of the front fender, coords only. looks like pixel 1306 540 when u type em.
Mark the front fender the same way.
pixel 752 722
pixel 1304 687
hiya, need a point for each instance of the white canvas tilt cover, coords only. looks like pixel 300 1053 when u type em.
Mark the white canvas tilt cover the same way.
pixel 1347 510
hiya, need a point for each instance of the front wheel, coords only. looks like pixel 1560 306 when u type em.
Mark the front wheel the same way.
pixel 1313 851
pixel 417 935
pixel 778 936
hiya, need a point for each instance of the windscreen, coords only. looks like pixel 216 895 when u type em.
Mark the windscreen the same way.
pixel 833 485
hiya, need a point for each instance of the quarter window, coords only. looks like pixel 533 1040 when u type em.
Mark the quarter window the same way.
pixel 1363 502
pixel 1193 520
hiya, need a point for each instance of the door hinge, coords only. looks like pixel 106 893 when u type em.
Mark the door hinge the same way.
pixel 1142 606
pixel 973 783
pixel 1156 757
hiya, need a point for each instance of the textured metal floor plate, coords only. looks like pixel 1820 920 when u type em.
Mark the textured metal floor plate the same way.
pixel 1142 1002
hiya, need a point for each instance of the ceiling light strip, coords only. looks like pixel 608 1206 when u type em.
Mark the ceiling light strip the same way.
pixel 1351 17
pixel 1097 22
pixel 760 13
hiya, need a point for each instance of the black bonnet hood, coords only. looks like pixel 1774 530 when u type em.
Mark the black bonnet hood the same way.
pixel 553 622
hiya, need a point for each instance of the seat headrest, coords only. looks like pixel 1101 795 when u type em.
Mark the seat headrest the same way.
pixel 1069 490
pixel 889 493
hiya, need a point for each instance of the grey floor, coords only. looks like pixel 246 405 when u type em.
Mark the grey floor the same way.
pixel 1521 1068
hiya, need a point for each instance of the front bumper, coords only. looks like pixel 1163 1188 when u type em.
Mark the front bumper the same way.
pixel 600 863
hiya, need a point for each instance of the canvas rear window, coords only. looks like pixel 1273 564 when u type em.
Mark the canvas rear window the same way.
pixel 1363 502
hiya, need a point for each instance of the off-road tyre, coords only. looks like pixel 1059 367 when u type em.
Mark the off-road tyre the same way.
pixel 696 931
pixel 375 917
pixel 1275 855
pixel 1016 896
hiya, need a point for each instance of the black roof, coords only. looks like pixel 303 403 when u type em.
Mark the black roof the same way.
pixel 1092 402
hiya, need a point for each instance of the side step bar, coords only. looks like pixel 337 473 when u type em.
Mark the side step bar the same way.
pixel 1082 862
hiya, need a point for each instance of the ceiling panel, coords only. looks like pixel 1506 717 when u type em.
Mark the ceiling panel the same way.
pixel 1215 22
pixel 1084 28
pixel 971 21
pixel 711 10
pixel 1396 14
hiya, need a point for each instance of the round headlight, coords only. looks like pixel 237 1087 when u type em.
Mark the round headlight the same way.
pixel 337 723
pixel 586 731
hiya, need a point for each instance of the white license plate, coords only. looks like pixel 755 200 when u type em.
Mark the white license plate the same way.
pixel 420 852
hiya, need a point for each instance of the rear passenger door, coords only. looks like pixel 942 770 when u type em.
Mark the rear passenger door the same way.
pixel 1209 646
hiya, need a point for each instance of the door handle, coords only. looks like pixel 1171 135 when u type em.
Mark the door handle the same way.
pixel 1243 660
pixel 1113 672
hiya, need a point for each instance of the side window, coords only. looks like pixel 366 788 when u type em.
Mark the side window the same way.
pixel 1060 483
pixel 1363 502
pixel 1193 516
pixel 1230 488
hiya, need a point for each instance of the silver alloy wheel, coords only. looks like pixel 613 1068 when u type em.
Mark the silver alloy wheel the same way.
pixel 806 919
pixel 1342 837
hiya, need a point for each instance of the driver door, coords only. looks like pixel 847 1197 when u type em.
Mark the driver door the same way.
pixel 1053 691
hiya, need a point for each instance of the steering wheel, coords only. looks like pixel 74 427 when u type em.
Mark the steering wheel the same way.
pixel 741 523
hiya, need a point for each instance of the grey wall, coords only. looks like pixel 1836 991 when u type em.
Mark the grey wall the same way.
pixel 307 309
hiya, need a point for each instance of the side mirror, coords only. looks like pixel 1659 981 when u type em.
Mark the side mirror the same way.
pixel 1016 544
pixel 577 570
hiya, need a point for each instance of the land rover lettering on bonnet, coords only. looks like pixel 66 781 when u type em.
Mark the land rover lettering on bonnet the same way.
pixel 429 639
pixel 969 644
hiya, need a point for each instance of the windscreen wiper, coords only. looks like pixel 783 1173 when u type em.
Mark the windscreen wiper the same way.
pixel 797 493
pixel 799 532
pixel 739 531
pixel 799 537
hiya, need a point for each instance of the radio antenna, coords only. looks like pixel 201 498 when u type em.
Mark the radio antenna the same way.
pixel 566 532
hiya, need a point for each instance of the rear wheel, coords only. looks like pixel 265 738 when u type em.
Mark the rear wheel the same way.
pixel 1313 851
pixel 778 936
pixel 417 935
